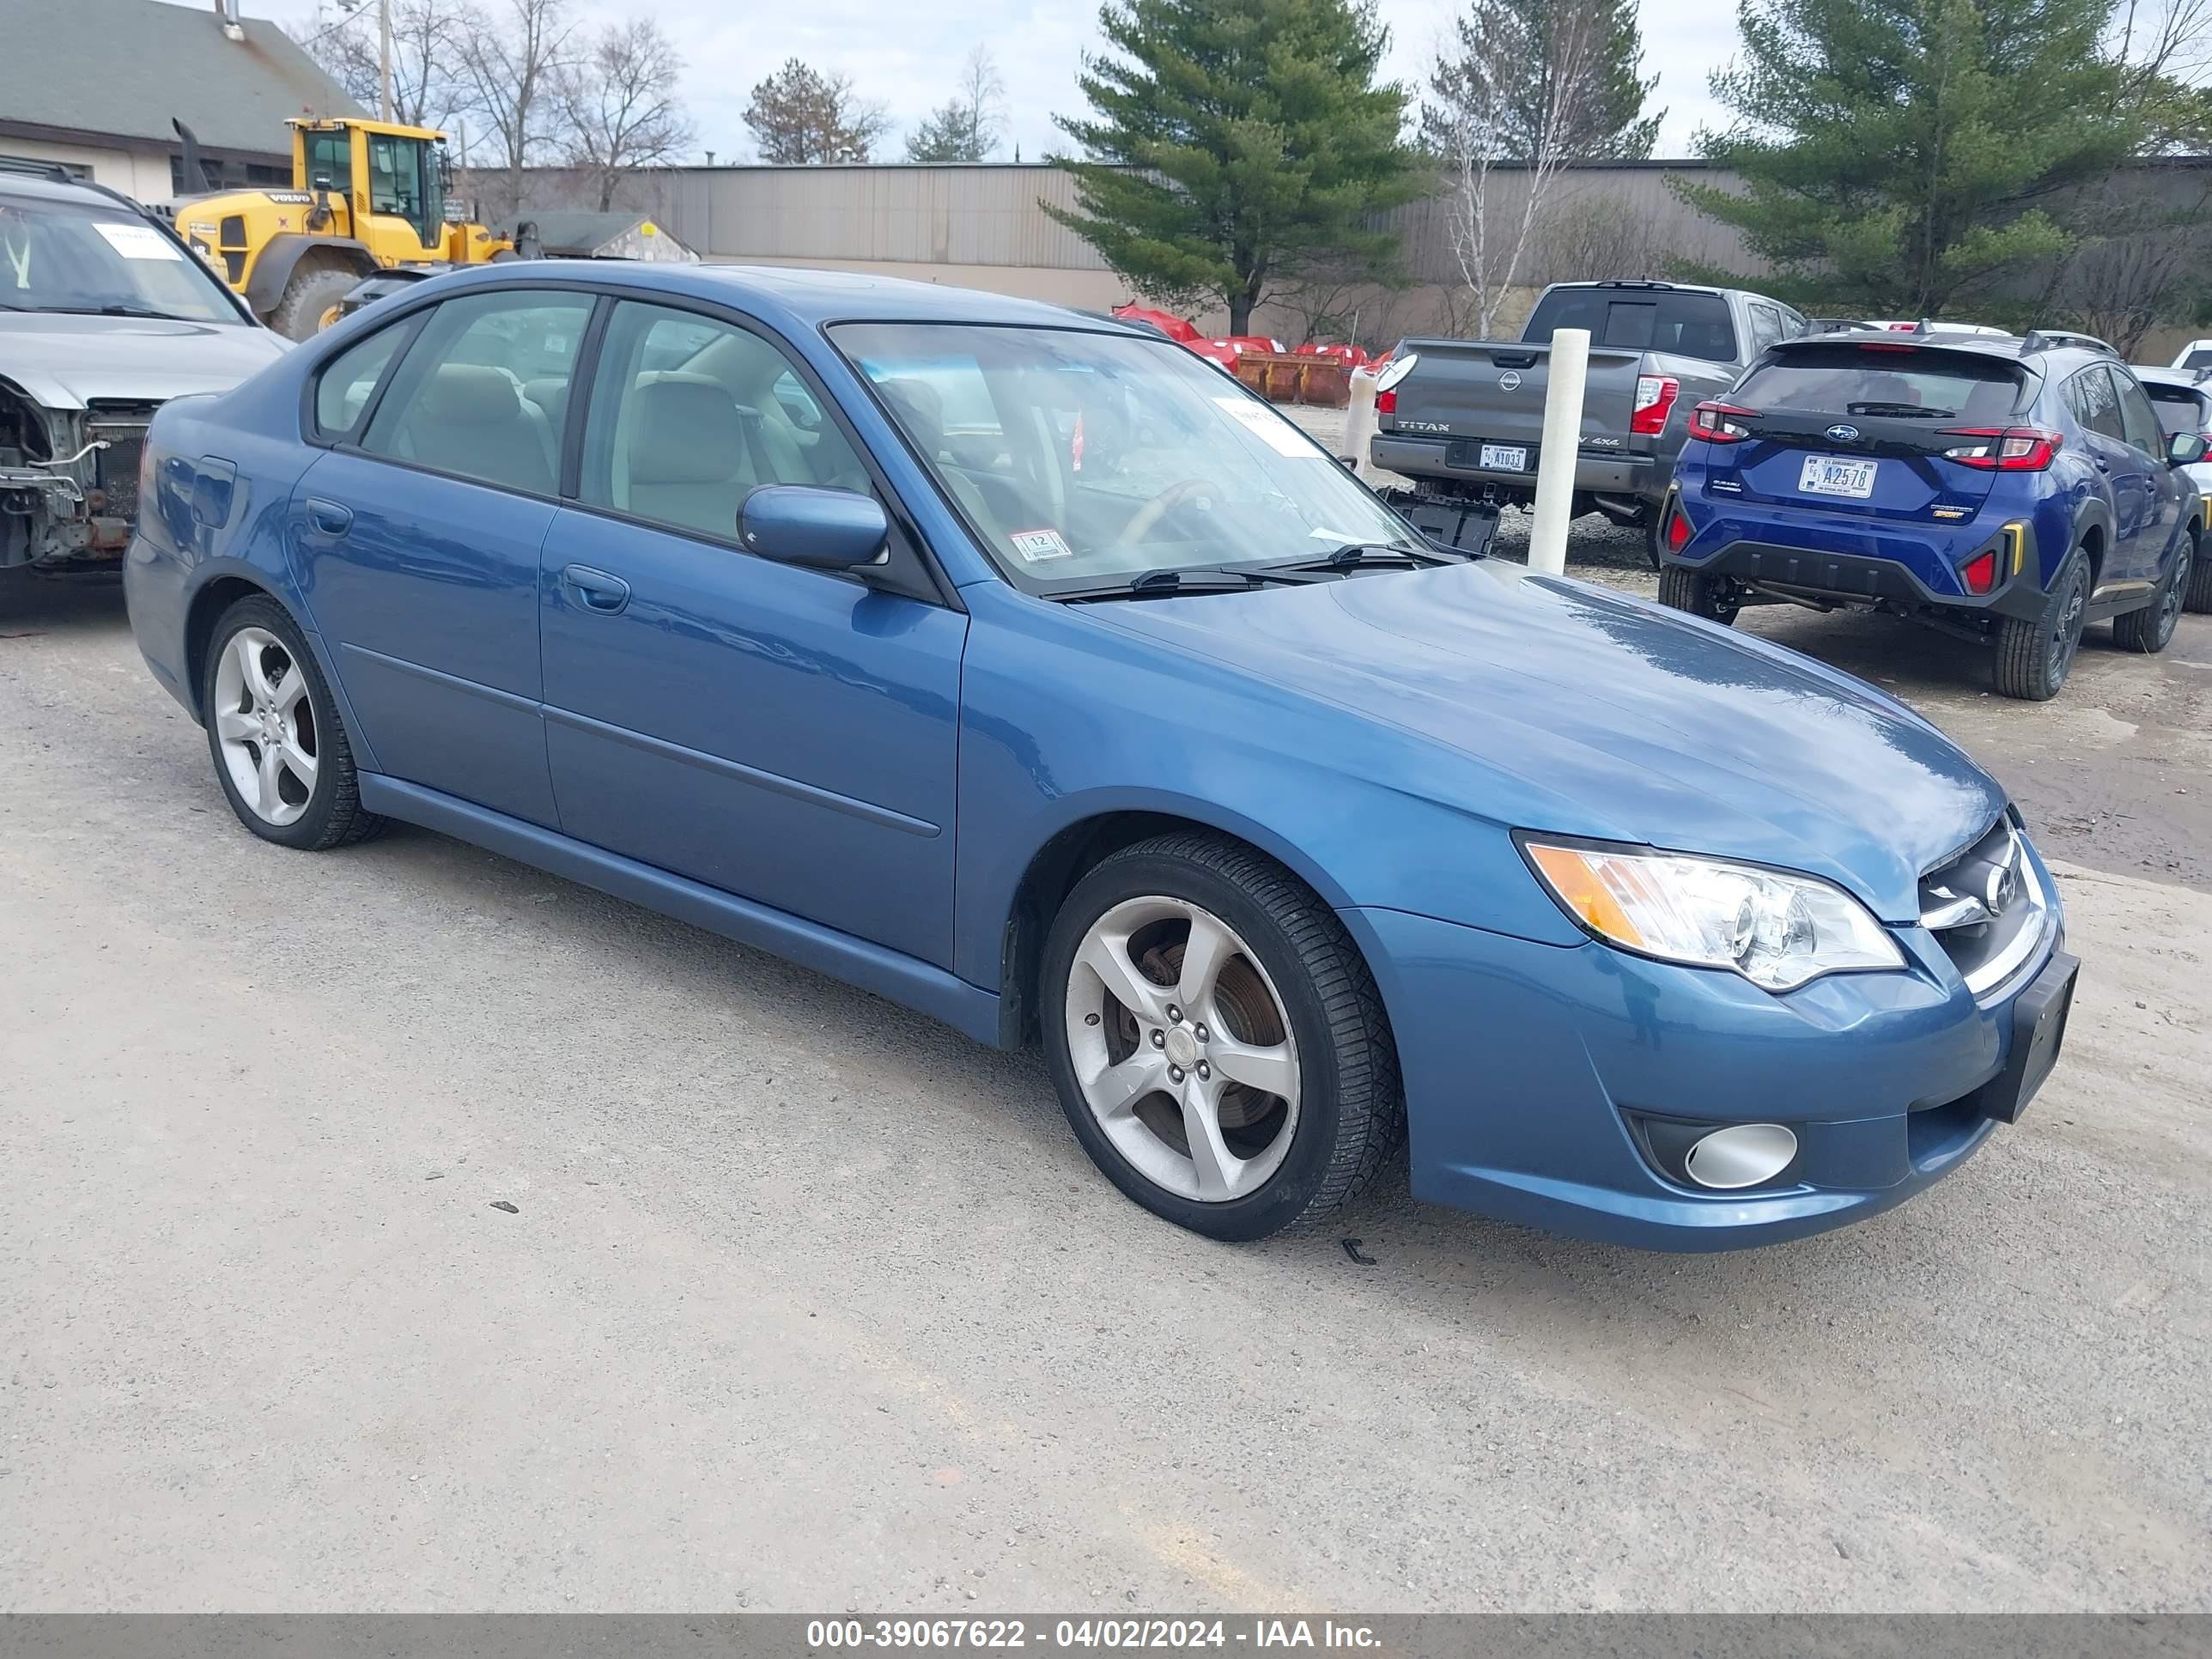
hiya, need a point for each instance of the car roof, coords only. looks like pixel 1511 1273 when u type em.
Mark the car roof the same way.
pixel 39 186
pixel 805 297
pixel 2005 348
pixel 2161 375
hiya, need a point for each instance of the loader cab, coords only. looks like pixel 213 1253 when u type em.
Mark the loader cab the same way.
pixel 381 173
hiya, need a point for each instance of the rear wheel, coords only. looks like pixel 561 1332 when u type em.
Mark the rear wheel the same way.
pixel 280 751
pixel 1216 1040
pixel 2151 628
pixel 1713 598
pixel 310 297
pixel 2036 654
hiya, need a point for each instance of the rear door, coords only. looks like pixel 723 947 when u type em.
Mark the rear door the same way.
pixel 1866 430
pixel 2123 469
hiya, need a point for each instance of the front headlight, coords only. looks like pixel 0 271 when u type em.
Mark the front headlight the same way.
pixel 1777 931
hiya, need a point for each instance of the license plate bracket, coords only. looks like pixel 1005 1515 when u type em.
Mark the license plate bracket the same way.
pixel 2039 1030
pixel 1504 458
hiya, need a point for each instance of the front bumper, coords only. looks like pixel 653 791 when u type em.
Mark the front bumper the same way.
pixel 1532 1072
pixel 1624 474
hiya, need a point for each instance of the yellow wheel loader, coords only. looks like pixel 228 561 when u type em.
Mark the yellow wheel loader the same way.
pixel 365 196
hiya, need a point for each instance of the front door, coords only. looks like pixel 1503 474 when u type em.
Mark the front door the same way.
pixel 2122 468
pixel 784 734
pixel 415 539
pixel 2162 502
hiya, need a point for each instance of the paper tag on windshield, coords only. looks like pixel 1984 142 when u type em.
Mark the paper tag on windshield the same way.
pixel 1038 545
pixel 1271 428
pixel 137 241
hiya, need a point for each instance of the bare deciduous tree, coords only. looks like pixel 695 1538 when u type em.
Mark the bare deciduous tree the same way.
pixel 966 129
pixel 512 57
pixel 425 93
pixel 618 105
pixel 1470 126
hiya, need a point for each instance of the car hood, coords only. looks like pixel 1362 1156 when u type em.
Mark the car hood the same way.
pixel 1575 710
pixel 67 362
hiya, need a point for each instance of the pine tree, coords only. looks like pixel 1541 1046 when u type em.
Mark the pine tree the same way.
pixel 1904 156
pixel 1236 143
pixel 1509 56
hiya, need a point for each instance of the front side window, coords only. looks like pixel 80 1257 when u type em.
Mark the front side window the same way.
pixel 2138 418
pixel 483 392
pixel 688 415
pixel 1766 327
pixel 90 257
pixel 1078 456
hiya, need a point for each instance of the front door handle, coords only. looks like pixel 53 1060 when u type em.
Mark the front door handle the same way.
pixel 2103 466
pixel 328 517
pixel 597 590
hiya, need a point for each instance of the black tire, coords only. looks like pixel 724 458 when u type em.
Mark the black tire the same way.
pixel 334 815
pixel 1681 588
pixel 2150 630
pixel 2036 654
pixel 312 291
pixel 2198 598
pixel 1351 1123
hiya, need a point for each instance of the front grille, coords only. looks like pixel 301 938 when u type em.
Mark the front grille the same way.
pixel 115 469
pixel 1987 907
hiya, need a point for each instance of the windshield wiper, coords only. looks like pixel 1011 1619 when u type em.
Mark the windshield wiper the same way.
pixel 1353 556
pixel 1901 412
pixel 116 311
pixel 1172 580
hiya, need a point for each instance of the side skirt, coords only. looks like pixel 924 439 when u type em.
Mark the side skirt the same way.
pixel 918 984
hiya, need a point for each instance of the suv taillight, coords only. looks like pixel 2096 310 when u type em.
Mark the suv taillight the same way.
pixel 1655 398
pixel 1720 423
pixel 2003 449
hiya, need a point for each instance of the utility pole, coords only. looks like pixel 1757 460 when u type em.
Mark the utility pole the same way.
pixel 384 58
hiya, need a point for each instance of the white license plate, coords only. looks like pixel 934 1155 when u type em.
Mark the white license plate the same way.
pixel 1824 475
pixel 1505 458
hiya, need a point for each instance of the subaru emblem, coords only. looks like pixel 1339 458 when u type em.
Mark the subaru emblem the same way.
pixel 1511 380
pixel 1844 435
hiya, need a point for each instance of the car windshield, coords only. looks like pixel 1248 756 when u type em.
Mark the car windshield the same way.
pixel 1085 458
pixel 60 256
pixel 1901 381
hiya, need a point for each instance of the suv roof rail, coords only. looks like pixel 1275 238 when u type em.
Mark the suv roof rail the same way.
pixel 2052 339
pixel 38 169
pixel 1620 281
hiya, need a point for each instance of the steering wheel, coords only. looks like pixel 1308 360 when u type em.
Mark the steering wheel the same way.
pixel 1146 518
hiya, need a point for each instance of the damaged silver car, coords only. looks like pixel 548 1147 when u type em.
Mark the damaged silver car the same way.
pixel 105 315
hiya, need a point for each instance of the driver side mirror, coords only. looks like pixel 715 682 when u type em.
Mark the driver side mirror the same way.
pixel 819 529
pixel 2185 448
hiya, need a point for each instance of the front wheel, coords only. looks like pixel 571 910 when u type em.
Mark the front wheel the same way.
pixel 1216 1040
pixel 1713 598
pixel 2150 630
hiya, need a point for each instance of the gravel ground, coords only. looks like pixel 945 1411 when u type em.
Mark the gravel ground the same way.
pixel 400 1228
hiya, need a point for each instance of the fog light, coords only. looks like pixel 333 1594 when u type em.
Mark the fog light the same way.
pixel 1741 1155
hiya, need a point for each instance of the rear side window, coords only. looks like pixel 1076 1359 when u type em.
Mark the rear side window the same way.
pixel 2178 408
pixel 1684 323
pixel 1905 383
pixel 483 392
pixel 343 389
pixel 2095 404
pixel 1766 327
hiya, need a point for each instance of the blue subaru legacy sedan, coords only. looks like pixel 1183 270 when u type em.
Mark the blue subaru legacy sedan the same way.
pixel 1019 667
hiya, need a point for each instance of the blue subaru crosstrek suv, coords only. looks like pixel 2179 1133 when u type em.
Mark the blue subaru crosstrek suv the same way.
pixel 2009 489
pixel 1016 665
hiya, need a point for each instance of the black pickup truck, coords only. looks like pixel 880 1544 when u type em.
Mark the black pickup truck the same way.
pixel 1466 421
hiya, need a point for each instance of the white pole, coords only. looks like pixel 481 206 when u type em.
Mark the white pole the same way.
pixel 383 60
pixel 1562 434
pixel 1360 423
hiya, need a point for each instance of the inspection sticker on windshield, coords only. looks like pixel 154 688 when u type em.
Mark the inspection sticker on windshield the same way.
pixel 137 241
pixel 1038 545
pixel 1271 428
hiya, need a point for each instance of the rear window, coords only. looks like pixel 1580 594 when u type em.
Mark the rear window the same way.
pixel 1906 383
pixel 1688 325
pixel 2179 408
pixel 2197 360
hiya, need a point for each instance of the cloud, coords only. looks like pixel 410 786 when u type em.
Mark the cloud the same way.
pixel 908 57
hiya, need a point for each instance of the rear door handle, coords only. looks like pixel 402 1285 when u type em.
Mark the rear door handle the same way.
pixel 328 517
pixel 597 590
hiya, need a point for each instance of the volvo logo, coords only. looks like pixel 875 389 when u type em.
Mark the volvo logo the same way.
pixel 1511 380
pixel 1844 435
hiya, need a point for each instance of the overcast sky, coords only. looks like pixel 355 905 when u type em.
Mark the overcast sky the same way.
pixel 908 55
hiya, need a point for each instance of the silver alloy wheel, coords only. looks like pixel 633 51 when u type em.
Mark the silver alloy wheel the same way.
pixel 265 726
pixel 1182 1048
